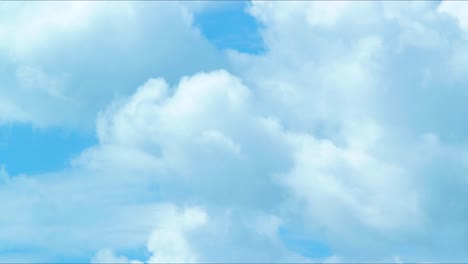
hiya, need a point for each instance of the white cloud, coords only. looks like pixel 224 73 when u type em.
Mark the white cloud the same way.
pixel 362 87
pixel 210 160
pixel 459 10
pixel 78 56
pixel 349 128
pixel 33 80
pixel 107 256
pixel 356 177
pixel 337 183
pixel 167 242
pixel 208 119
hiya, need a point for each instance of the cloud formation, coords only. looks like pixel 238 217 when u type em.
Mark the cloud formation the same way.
pixel 79 56
pixel 349 128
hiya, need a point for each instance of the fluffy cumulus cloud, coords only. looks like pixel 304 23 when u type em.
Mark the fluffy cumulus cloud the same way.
pixel 79 56
pixel 348 129
pixel 384 83
pixel 215 160
pixel 167 242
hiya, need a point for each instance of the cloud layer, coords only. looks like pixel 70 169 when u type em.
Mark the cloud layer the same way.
pixel 349 130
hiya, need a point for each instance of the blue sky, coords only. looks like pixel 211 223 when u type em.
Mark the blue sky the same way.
pixel 233 131
pixel 26 149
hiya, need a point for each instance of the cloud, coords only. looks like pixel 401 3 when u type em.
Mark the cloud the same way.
pixel 208 119
pixel 348 128
pixel 367 89
pixel 107 256
pixel 457 10
pixel 167 242
pixel 78 57
pixel 135 168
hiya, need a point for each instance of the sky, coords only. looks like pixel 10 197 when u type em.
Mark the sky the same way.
pixel 233 131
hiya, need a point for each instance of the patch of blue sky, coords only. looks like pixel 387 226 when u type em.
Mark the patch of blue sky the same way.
pixel 231 27
pixel 27 150
pixel 303 245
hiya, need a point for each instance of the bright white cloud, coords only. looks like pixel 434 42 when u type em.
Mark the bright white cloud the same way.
pixel 167 242
pixel 79 56
pixel 349 128
pixel 373 80
pixel 208 118
pixel 134 167
pixel 459 10
pixel 107 256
